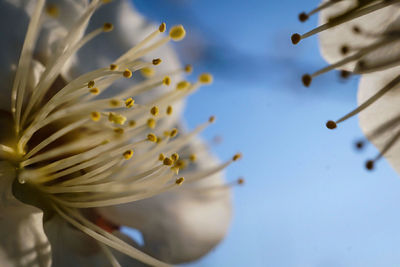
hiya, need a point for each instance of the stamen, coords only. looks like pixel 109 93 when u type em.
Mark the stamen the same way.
pixel 156 61
pixel 206 78
pixel 128 154
pixel 169 110
pixel 127 73
pixel 152 137
pixel 107 27
pixel 129 102
pixel 177 33
pixel 180 181
pixel 154 111
pixel 95 116
pixel 151 123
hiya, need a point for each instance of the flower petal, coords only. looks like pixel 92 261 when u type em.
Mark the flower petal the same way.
pixel 382 111
pixel 374 24
pixel 181 225
pixel 22 239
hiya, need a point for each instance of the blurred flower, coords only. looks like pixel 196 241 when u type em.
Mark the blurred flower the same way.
pixel 363 37
pixel 85 150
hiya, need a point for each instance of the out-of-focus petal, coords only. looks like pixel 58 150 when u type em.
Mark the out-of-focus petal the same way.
pixel 383 110
pixel 373 25
pixel 184 224
pixel 22 239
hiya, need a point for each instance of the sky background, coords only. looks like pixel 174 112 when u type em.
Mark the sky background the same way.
pixel 307 200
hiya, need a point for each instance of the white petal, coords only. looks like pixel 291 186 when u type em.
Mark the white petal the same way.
pixel 332 40
pixel 181 225
pixel 22 239
pixel 383 110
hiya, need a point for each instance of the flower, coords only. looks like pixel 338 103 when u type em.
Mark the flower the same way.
pixel 85 150
pixel 362 37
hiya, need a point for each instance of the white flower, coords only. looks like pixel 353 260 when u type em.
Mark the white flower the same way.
pixel 363 37
pixel 85 151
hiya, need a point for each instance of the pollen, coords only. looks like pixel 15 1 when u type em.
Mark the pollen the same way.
pixel 152 137
pixel 128 154
pixel 116 118
pixel 192 157
pixel 95 116
pixel 113 66
pixel 177 33
pixel 182 85
pixel 161 157
pixel 156 61
pixel 154 111
pixel 127 73
pixel 107 27
pixel 169 110
pixel 166 81
pixel 188 68
pixel 167 162
pixel 175 156
pixel 90 84
pixel 179 181
pixel 115 103
pixel 94 91
pixel 129 102
pixel 162 27
pixel 236 157
pixel 52 10
pixel 147 72
pixel 174 132
pixel 206 78
pixel 151 123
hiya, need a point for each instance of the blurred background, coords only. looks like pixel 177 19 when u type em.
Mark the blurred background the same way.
pixel 307 199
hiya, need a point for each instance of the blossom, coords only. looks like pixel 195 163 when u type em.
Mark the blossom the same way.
pixel 85 150
pixel 362 38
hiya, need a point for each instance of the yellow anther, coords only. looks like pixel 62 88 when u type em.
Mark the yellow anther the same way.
pixel 128 154
pixel 147 72
pixel 118 130
pixel 180 181
pixel 105 142
pixel 106 1
pixel 168 162
pixel 157 61
pixel 180 164
pixel 236 157
pixel 127 73
pixel 211 119
pixel 166 81
pixel 188 68
pixel 161 157
pixel 94 91
pixel 169 110
pixel 90 84
pixel 177 33
pixel 173 132
pixel 193 157
pixel 129 102
pixel 115 103
pixel 95 116
pixel 151 123
pixel 167 133
pixel 116 118
pixel 182 85
pixel 152 137
pixel 162 27
pixel 154 111
pixel 113 67
pixel 175 156
pixel 206 78
pixel 159 139
pixel 132 123
pixel 107 27
pixel 52 10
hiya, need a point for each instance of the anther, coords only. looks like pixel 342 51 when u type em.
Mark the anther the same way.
pixel 237 157
pixel 175 156
pixel 192 157
pixel 113 67
pixel 306 79
pixel 162 27
pixel 166 81
pixel 127 73
pixel 331 125
pixel 147 72
pixel 177 33
pixel 154 111
pixel 128 154
pixel 129 102
pixel 107 27
pixel 167 161
pixel 211 119
pixel 188 68
pixel 115 103
pixel 94 91
pixel 118 130
pixel 52 10
pixel 157 61
pixel 369 165
pixel 344 49
pixel 240 181
pixel 173 132
pixel 359 144
pixel 295 38
pixel 152 137
pixel 116 118
pixel 169 110
pixel 345 74
pixel 151 123
pixel 161 157
pixel 206 78
pixel 356 29
pixel 303 17
pixel 132 123
pixel 95 116
pixel 179 181
pixel 90 84
pixel 182 85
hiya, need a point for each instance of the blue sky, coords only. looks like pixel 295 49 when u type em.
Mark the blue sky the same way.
pixel 307 200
